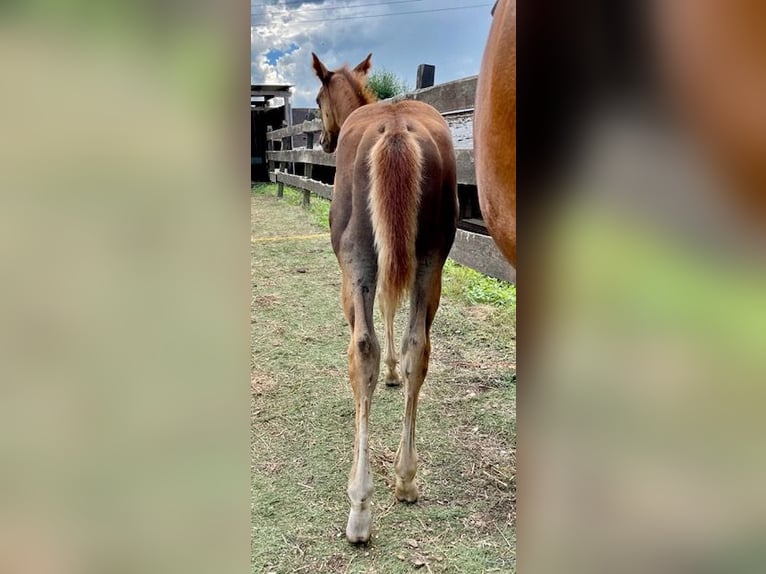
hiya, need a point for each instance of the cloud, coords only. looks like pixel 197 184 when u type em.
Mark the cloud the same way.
pixel 283 37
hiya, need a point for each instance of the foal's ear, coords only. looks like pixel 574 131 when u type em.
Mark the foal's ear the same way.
pixel 364 66
pixel 320 69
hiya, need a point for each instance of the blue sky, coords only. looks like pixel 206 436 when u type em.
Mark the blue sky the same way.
pixel 273 55
pixel 285 32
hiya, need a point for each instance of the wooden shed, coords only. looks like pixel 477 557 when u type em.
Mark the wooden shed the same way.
pixel 262 115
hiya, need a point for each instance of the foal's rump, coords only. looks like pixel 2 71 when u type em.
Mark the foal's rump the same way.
pixel 404 179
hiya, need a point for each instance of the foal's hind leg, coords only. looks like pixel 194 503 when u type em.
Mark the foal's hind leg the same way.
pixel 416 350
pixel 388 311
pixel 363 367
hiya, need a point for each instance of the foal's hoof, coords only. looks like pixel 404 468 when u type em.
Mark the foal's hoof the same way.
pixel 358 527
pixel 393 380
pixel 406 491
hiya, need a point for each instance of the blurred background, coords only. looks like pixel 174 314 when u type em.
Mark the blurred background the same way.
pixel 123 267
pixel 642 286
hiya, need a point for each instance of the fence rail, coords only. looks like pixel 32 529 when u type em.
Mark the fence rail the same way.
pixel 454 100
pixel 299 182
pixel 466 171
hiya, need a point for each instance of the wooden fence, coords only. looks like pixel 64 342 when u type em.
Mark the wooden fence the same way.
pixel 473 247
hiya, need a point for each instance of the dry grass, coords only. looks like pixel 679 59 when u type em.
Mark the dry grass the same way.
pixel 302 423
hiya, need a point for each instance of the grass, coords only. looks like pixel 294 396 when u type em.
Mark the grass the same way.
pixel 302 416
pixel 318 211
pixel 476 288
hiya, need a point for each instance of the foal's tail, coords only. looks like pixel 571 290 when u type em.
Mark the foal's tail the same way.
pixel 395 175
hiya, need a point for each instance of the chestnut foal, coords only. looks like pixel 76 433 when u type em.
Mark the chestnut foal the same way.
pixel 392 222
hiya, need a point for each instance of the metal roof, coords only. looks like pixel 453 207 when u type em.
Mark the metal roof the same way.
pixel 261 88
pixel 262 94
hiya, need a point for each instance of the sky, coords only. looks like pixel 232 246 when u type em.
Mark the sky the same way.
pixel 449 34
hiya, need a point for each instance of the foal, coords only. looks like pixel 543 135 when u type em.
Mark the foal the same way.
pixel 392 223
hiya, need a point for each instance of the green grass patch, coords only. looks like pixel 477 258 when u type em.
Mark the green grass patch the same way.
pixel 319 208
pixel 492 299
pixel 476 288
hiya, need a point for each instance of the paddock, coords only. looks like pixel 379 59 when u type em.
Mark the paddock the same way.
pixel 302 415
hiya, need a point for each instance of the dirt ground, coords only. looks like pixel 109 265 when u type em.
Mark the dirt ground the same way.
pixel 302 421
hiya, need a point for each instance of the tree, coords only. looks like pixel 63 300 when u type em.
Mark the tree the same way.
pixel 386 84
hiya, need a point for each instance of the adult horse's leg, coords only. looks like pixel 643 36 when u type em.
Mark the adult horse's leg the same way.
pixel 388 311
pixel 416 350
pixel 363 366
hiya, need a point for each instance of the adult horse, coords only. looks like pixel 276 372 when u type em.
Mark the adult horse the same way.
pixel 392 222
pixel 494 124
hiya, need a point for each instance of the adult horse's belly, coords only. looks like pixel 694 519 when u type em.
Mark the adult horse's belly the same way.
pixel 495 130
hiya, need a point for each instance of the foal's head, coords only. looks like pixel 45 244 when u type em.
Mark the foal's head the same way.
pixel 342 92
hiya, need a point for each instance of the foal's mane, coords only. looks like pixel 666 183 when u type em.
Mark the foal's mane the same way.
pixel 362 91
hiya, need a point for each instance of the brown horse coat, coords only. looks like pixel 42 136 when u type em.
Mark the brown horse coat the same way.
pixel 389 168
pixel 495 130
pixel 392 220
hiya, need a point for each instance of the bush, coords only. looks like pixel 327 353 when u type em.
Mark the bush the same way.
pixel 385 84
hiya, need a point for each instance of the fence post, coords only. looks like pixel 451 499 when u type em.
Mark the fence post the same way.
pixel 269 147
pixel 287 144
pixel 282 164
pixel 308 169
pixel 425 76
